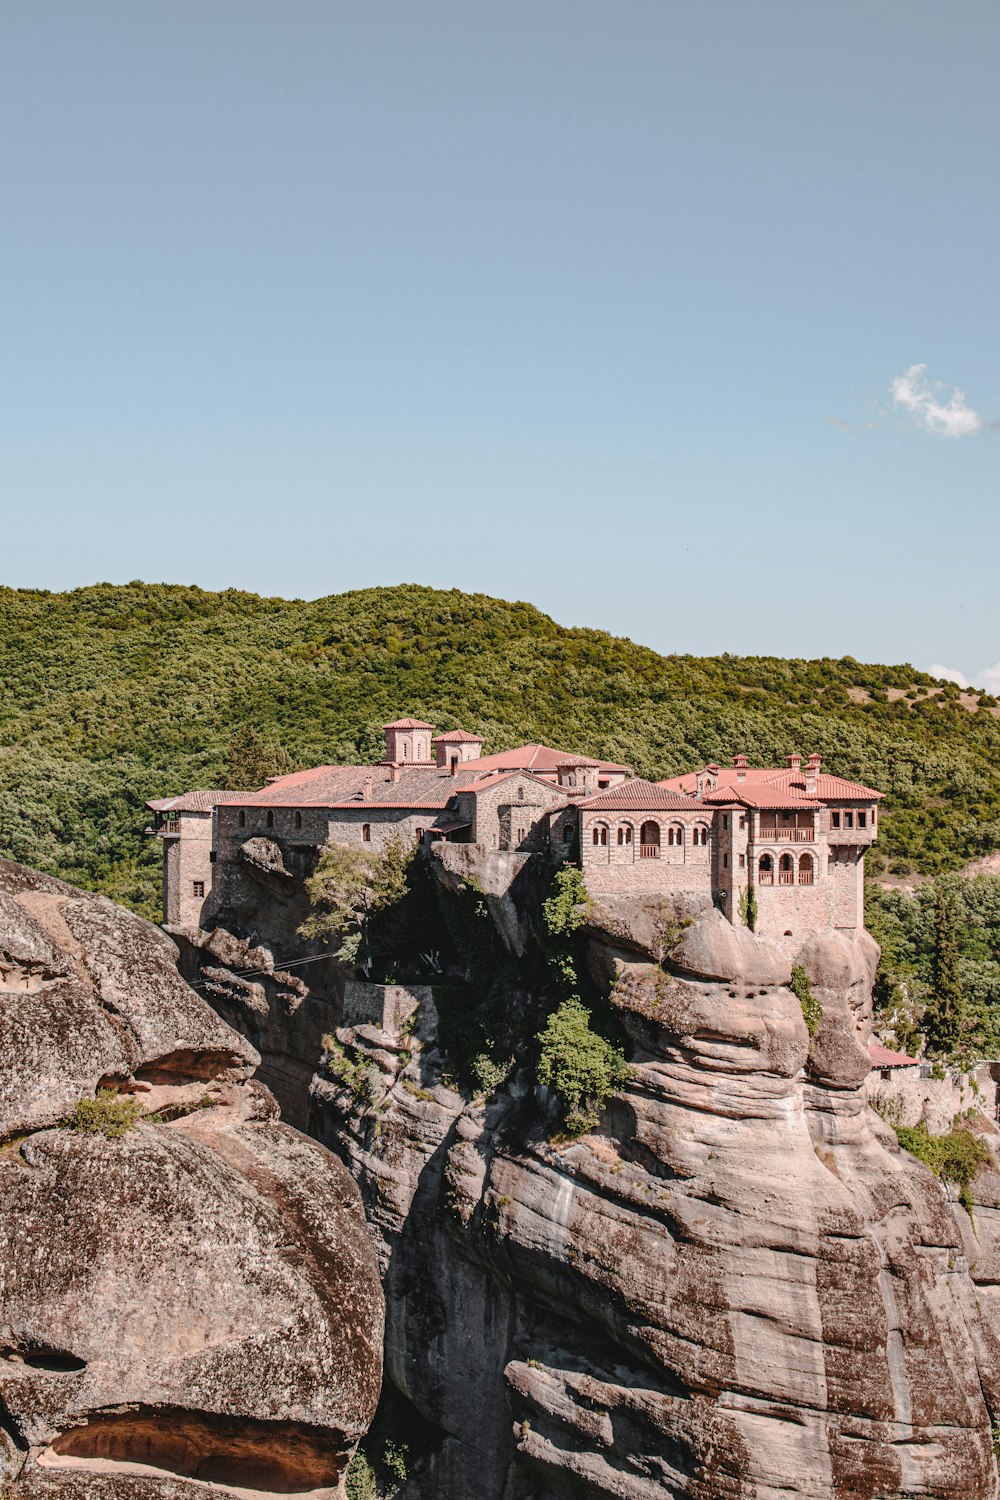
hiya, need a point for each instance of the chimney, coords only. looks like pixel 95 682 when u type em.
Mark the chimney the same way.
pixel 368 788
pixel 393 771
pixel 812 771
pixel 795 762
pixel 740 762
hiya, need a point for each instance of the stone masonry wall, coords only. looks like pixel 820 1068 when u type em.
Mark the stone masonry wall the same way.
pixel 621 867
pixel 187 863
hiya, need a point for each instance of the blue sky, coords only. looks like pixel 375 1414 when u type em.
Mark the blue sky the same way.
pixel 599 305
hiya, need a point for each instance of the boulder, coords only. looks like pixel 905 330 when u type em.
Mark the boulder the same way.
pixel 188 1290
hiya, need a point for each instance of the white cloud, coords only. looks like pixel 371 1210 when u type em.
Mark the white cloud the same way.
pixel 925 401
pixel 988 679
pixel 949 674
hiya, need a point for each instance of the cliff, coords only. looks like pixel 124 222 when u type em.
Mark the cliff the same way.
pixel 188 1293
pixel 736 1288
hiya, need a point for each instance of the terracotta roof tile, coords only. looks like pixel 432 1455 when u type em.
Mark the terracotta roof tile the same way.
pixel 407 724
pixel 199 801
pixel 538 758
pixel 458 737
pixel 785 778
pixel 639 795
pixel 883 1057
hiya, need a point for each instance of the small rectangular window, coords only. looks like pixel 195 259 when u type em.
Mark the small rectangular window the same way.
pixel 366 832
pixel 725 861
pixel 199 887
pixel 743 821
pixel 848 820
pixel 835 820
pixel 743 861
pixel 862 819
pixel 725 820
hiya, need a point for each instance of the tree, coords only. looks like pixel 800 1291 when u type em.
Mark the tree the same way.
pixel 579 1064
pixel 945 1016
pixel 748 906
pixel 347 887
pixel 251 760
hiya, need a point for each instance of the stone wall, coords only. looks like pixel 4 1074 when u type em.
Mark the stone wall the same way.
pixel 187 863
pixel 907 1097
pixel 620 867
pixel 388 1006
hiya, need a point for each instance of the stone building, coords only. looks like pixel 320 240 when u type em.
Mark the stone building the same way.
pixel 794 833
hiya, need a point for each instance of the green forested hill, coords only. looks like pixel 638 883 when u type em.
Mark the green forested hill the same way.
pixel 109 695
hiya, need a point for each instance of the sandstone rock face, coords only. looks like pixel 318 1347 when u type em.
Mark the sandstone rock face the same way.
pixel 738 1288
pixel 195 1302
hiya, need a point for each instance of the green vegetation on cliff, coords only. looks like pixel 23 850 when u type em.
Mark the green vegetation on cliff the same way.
pixel 939 977
pixel 110 695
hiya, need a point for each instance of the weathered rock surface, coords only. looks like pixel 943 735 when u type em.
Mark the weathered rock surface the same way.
pixel 196 1302
pixel 738 1288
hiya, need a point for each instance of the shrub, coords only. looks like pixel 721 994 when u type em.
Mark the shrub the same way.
pixel 109 1114
pixel 580 1065
pixel 360 1483
pixel 956 1158
pixel 812 1011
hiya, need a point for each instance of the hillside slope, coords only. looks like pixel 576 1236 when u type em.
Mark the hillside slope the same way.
pixel 111 694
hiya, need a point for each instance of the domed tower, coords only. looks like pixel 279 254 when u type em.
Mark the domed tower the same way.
pixel 456 747
pixel 408 742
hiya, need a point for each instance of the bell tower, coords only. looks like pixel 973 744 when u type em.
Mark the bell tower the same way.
pixel 408 742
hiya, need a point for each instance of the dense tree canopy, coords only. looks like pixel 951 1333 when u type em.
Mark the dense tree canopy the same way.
pixel 110 695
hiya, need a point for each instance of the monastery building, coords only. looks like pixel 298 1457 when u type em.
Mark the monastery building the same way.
pixel 795 833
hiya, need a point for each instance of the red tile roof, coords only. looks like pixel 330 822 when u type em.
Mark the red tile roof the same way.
pixel 638 795
pixel 199 801
pixel 783 779
pixel 418 786
pixel 538 758
pixel 407 724
pixel 883 1057
pixel 458 737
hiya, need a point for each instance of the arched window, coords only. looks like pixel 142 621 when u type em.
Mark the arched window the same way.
pixel 649 841
pixel 520 794
pixel 765 870
pixel 805 869
pixel 625 834
pixel 699 835
pixel 568 833
pixel 298 820
pixel 786 869
pixel 243 820
pixel 600 833
pixel 366 833
pixel 270 820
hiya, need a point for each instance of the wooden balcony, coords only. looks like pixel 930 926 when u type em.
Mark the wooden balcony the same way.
pixel 786 835
pixel 649 851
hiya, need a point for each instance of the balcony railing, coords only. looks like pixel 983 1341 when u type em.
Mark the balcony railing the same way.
pixel 649 851
pixel 786 877
pixel 788 835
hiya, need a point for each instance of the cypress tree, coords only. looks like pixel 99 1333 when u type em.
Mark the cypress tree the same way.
pixel 944 1019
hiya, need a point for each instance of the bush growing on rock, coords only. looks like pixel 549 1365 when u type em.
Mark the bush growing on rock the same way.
pixel 347 888
pixel 109 1114
pixel 956 1158
pixel 580 1065
pixel 812 1011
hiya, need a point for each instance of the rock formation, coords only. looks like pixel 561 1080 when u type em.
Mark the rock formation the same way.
pixel 737 1288
pixel 194 1300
